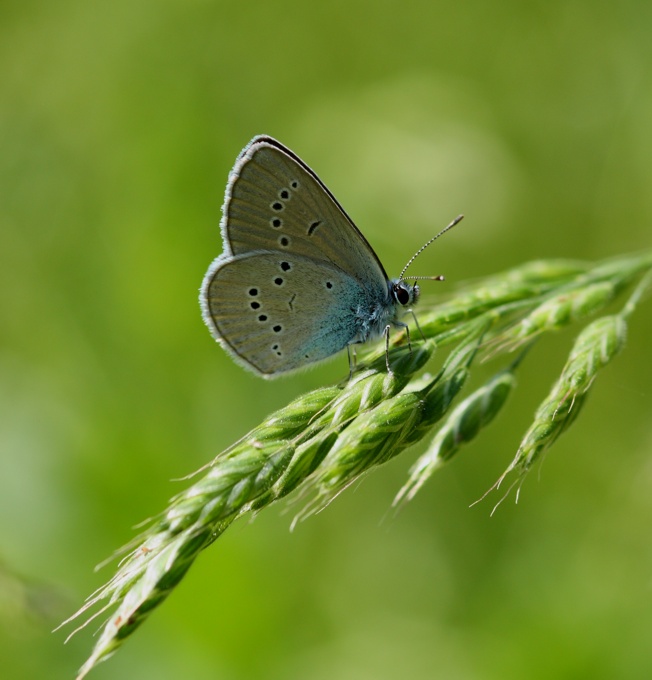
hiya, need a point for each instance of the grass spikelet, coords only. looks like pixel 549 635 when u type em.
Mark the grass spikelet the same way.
pixel 595 347
pixel 325 440
pixel 559 311
pixel 383 432
pixel 461 426
pixel 522 284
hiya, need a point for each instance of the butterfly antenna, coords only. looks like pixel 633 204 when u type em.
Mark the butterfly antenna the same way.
pixel 424 246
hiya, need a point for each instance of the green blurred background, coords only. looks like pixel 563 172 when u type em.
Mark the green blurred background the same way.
pixel 119 122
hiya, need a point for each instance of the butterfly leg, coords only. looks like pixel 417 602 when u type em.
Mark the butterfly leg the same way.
pixel 353 359
pixel 386 334
pixel 407 332
pixel 416 322
pixel 400 324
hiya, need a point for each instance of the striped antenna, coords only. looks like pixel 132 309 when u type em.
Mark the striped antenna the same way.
pixel 424 246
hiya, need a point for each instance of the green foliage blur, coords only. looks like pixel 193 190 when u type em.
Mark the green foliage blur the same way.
pixel 119 122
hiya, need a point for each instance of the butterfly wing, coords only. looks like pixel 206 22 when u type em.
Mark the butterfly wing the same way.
pixel 276 312
pixel 274 201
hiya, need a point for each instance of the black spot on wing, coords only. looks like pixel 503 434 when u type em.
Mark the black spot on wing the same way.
pixel 313 226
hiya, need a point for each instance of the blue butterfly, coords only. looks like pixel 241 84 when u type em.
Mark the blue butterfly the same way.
pixel 297 281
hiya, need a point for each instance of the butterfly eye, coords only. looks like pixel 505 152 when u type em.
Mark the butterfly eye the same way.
pixel 402 294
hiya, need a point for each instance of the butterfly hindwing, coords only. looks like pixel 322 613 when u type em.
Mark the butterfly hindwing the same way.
pixel 276 311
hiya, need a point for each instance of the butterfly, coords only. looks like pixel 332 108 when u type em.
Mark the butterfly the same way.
pixel 297 281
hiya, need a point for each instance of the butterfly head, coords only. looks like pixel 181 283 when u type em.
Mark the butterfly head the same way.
pixel 404 293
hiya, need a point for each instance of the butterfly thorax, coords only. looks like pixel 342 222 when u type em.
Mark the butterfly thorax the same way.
pixel 372 321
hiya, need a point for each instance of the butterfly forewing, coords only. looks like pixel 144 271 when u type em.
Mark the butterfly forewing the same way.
pixel 275 202
pixel 276 312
